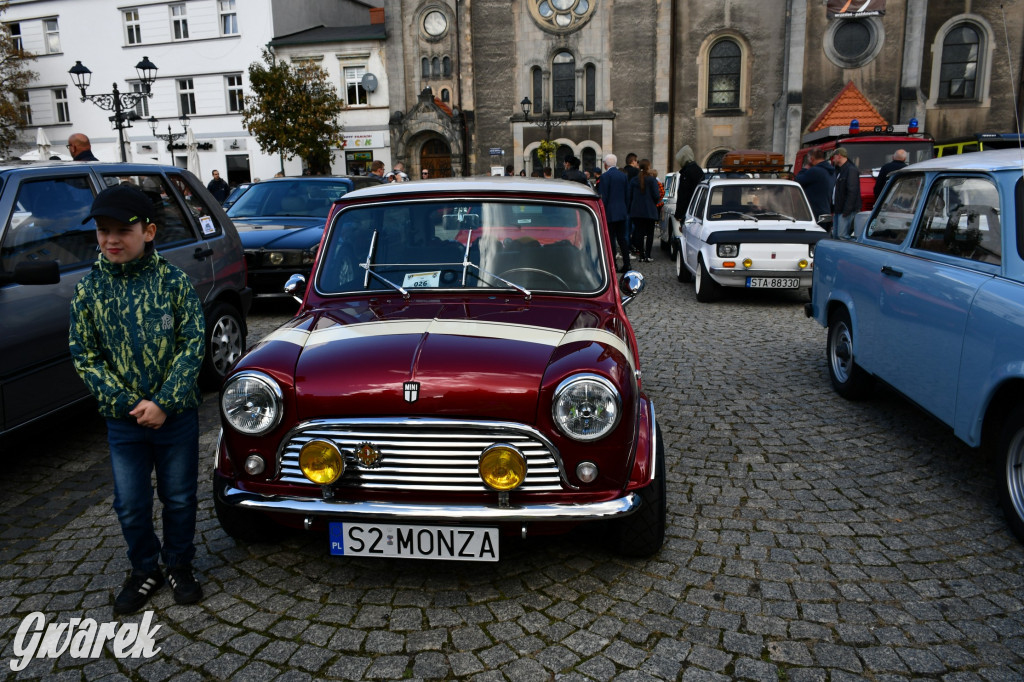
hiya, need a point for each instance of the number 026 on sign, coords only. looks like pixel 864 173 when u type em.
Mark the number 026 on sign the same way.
pixel 452 543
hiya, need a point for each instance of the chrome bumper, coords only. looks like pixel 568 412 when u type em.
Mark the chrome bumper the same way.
pixel 384 511
pixel 734 275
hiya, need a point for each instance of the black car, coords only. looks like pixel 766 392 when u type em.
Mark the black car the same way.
pixel 236 191
pixel 281 221
pixel 45 250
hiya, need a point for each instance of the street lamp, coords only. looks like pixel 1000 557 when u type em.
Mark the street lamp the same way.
pixel 121 103
pixel 170 137
pixel 546 121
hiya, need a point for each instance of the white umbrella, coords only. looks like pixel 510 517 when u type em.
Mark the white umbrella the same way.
pixel 127 147
pixel 193 154
pixel 42 144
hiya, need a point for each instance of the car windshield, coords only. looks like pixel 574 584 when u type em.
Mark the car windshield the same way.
pixel 870 155
pixel 755 201
pixel 526 246
pixel 301 198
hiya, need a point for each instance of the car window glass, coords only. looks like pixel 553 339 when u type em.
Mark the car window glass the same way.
pixel 46 224
pixel 698 202
pixel 759 200
pixel 173 226
pixel 289 198
pixel 209 225
pixel 961 218
pixel 891 221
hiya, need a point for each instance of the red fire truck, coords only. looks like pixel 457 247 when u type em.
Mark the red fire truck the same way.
pixel 869 149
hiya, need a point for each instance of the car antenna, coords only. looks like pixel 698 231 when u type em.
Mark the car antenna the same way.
pixel 1013 88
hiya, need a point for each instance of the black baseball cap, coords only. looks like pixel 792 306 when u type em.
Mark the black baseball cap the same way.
pixel 125 203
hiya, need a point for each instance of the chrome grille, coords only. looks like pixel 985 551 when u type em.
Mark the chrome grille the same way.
pixel 423 455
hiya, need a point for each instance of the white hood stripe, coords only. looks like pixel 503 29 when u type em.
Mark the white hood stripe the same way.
pixel 544 336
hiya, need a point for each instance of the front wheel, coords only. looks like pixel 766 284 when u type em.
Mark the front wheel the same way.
pixel 682 274
pixel 642 533
pixel 848 379
pixel 708 289
pixel 1010 470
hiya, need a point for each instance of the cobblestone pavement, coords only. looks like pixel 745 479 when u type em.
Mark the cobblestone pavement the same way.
pixel 810 539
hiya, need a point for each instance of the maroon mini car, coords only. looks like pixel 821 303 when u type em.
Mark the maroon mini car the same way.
pixel 461 368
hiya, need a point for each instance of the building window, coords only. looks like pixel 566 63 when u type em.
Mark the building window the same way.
pixel 445 95
pixel 142 107
pixel 446 67
pixel 724 75
pixel 425 67
pixel 355 94
pixel 52 36
pixel 537 81
pixel 228 17
pixel 590 81
pixel 15 30
pixel 26 108
pixel 132 28
pixel 959 72
pixel 563 81
pixel 853 43
pixel 186 97
pixel 435 67
pixel 234 86
pixel 179 22
pixel 60 103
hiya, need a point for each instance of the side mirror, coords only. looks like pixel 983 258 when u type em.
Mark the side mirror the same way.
pixel 631 285
pixel 825 221
pixel 295 287
pixel 47 272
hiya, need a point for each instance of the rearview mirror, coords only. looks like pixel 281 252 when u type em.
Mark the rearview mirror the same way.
pixel 47 272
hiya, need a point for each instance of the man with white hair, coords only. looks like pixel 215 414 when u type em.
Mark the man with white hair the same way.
pixel 613 187
pixel 899 160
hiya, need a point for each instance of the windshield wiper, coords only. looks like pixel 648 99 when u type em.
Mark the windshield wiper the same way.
pixel 368 266
pixel 744 216
pixel 466 264
pixel 781 215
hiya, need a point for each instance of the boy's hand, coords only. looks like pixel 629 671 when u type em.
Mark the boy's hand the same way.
pixel 147 413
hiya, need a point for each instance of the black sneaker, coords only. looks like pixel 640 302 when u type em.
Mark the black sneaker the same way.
pixel 137 590
pixel 187 589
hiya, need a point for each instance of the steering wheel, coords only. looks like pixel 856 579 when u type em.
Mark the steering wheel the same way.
pixel 538 271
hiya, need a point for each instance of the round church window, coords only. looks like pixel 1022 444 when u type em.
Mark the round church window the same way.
pixel 852 43
pixel 561 16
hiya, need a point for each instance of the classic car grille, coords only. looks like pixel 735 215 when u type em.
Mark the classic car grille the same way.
pixel 423 455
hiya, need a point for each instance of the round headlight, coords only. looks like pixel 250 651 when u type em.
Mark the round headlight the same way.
pixel 502 467
pixel 586 407
pixel 252 403
pixel 275 257
pixel 321 462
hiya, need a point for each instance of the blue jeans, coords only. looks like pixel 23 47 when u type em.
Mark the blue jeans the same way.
pixel 173 450
pixel 842 226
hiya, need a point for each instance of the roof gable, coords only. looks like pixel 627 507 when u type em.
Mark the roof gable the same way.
pixel 849 104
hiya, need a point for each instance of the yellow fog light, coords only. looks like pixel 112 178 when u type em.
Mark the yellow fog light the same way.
pixel 802 264
pixel 321 462
pixel 502 467
pixel 747 262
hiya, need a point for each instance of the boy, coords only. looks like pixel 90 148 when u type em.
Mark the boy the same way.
pixel 137 340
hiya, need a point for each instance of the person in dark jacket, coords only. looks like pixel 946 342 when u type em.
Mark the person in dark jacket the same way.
pixel 690 175
pixel 643 200
pixel 613 189
pixel 816 180
pixel 218 188
pixel 846 200
pixel 80 148
pixel 572 171
pixel 899 160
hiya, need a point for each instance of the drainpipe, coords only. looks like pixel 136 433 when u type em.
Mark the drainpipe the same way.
pixel 672 83
pixel 458 60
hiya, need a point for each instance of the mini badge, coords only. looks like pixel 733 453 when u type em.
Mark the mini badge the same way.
pixel 412 391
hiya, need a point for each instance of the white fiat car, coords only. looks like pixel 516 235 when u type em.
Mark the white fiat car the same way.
pixel 748 232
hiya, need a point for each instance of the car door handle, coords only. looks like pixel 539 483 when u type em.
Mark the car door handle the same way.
pixel 889 270
pixel 202 252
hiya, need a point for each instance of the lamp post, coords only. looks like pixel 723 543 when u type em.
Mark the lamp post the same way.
pixel 547 122
pixel 121 103
pixel 170 137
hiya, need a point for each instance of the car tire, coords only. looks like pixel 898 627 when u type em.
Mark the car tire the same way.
pixel 848 379
pixel 682 274
pixel 642 533
pixel 707 289
pixel 247 526
pixel 1009 472
pixel 225 342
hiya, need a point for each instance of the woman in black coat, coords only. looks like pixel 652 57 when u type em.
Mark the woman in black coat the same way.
pixel 643 208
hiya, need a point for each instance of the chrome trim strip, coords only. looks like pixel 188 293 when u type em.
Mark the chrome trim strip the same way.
pixel 743 274
pixel 388 511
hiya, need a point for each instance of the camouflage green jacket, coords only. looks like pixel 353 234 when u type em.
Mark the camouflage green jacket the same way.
pixel 137 332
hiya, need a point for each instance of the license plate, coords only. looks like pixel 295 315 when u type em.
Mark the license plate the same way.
pixel 773 282
pixel 452 543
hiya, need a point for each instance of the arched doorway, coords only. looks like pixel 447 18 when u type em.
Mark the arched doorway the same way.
pixel 436 156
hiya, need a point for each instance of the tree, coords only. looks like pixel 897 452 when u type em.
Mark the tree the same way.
pixel 293 110
pixel 14 78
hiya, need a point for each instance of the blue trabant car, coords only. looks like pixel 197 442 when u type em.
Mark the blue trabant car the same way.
pixel 929 299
